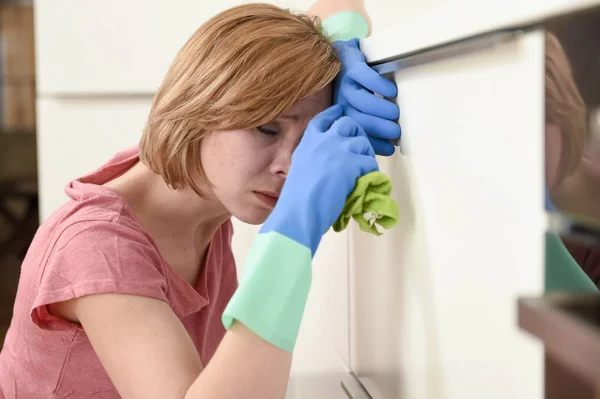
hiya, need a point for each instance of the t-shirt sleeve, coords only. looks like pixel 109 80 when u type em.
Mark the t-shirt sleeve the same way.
pixel 97 257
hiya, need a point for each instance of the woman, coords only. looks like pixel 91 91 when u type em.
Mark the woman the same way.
pixel 130 288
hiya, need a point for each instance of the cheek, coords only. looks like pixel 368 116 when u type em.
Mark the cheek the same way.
pixel 217 156
pixel 229 159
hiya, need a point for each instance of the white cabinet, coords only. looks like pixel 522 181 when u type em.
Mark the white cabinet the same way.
pixel 115 46
pixel 327 309
pixel 76 136
pixel 433 301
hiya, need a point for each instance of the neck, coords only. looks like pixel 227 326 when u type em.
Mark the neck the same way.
pixel 171 215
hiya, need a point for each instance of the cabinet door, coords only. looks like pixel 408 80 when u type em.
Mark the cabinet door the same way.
pixel 76 136
pixel 433 301
pixel 116 46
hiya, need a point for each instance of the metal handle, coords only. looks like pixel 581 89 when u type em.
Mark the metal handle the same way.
pixel 353 388
pixel 447 50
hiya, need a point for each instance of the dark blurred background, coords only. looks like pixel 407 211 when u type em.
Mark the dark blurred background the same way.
pixel 18 161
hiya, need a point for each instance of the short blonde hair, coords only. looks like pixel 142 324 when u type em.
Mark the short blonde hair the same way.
pixel 240 69
pixel 564 106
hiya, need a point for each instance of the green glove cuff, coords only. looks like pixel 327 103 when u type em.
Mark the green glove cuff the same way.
pixel 272 295
pixel 370 205
pixel 345 25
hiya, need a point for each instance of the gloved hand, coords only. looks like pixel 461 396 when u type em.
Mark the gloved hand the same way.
pixel 353 90
pixel 332 154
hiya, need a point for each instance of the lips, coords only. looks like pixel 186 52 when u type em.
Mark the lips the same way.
pixel 268 198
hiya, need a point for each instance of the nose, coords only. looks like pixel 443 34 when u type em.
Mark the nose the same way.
pixel 283 159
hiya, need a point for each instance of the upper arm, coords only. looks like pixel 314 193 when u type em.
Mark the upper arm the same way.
pixel 141 343
pixel 343 19
pixel 108 277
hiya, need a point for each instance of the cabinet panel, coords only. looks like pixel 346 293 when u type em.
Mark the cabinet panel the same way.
pixel 77 136
pixel 327 307
pixel 116 46
pixel 434 22
pixel 433 301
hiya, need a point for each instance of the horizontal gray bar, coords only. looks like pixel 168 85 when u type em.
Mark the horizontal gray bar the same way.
pixel 353 388
pixel 452 49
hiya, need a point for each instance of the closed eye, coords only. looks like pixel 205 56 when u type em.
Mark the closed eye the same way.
pixel 266 131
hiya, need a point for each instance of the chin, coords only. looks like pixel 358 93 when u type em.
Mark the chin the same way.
pixel 254 216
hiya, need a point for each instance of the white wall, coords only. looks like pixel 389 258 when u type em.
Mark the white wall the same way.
pixel 116 46
pixel 78 135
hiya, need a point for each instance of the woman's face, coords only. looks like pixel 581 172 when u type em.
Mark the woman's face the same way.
pixel 247 168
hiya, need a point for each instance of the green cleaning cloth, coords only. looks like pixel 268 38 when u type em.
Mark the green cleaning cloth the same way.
pixel 370 205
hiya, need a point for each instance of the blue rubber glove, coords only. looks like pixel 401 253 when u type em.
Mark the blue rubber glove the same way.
pixel 270 300
pixel 332 154
pixel 354 90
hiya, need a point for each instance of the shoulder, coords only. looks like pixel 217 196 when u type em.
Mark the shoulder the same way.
pixel 98 222
pixel 89 247
pixel 93 218
pixel 90 252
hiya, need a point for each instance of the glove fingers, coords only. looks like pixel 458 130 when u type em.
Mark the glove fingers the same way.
pixel 347 127
pixel 369 103
pixel 360 145
pixel 382 147
pixel 364 75
pixel 368 164
pixel 375 127
pixel 358 141
pixel 322 121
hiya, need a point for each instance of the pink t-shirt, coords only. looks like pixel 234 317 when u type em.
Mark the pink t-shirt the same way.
pixel 94 244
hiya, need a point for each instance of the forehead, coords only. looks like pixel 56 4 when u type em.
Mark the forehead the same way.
pixel 309 106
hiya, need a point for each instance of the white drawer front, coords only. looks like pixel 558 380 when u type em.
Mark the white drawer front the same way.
pixel 433 302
